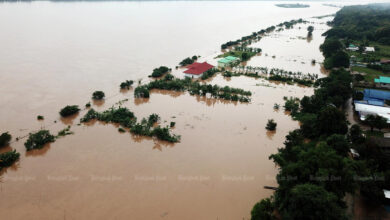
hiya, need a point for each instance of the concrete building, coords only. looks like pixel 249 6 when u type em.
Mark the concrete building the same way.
pixel 227 61
pixel 196 70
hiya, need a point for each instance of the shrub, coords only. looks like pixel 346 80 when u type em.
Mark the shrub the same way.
pixel 38 140
pixel 40 117
pixel 164 134
pixel 5 139
pixel 153 118
pixel 126 84
pixel 98 95
pixel 121 130
pixel 141 92
pixel 8 158
pixel 69 110
pixel 88 105
pixel 91 114
pixel 172 124
pixel 159 71
pixel 64 132
pixel 271 125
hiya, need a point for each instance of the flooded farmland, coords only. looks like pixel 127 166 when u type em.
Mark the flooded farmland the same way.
pixel 57 54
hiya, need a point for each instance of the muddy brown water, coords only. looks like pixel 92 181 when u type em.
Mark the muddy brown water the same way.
pixel 50 59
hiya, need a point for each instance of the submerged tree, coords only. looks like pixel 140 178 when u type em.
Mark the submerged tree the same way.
pixel 271 125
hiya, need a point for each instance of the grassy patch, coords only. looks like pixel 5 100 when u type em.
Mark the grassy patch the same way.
pixel 371 74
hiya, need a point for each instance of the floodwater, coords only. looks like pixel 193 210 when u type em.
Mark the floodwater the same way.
pixel 57 54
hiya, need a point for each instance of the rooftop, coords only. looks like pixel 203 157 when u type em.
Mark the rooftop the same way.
pixel 376 95
pixel 198 68
pixel 227 59
pixel 382 79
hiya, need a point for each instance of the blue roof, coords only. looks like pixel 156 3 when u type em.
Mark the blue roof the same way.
pixel 376 95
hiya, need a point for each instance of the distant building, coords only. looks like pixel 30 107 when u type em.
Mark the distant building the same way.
pixel 369 49
pixel 196 69
pixel 383 81
pixel 226 61
pixel 373 103
pixel 352 47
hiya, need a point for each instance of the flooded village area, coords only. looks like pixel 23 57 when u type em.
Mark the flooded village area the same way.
pixel 220 165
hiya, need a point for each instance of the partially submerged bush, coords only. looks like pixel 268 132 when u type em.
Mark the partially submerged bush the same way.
pixel 98 95
pixel 164 134
pixel 8 158
pixel 141 92
pixel 271 125
pixel 88 105
pixel 69 110
pixel 38 140
pixel 157 72
pixel 172 124
pixel 5 139
pixel 40 117
pixel 126 84
pixel 64 132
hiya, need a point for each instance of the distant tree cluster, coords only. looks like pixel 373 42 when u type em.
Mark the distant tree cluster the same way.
pixel 188 60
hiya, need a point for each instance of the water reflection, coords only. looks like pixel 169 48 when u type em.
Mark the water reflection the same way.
pixel 98 103
pixel 68 120
pixel 270 134
pixel 38 152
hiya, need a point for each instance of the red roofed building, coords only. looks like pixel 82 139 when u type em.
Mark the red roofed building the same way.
pixel 196 70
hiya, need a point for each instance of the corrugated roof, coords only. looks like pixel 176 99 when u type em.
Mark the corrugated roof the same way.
pixel 374 94
pixel 382 79
pixel 198 68
pixel 227 59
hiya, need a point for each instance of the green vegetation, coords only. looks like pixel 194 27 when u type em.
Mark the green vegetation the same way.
pixel 194 88
pixel 64 132
pixel 38 140
pixel 69 110
pixel 209 73
pixel 126 84
pixel 370 74
pixel 263 210
pixel 8 158
pixel 188 60
pixel 121 130
pixel 98 95
pixel 172 124
pixel 127 119
pixel 88 105
pixel 271 125
pixel 40 117
pixel 158 72
pixel 276 106
pixel 5 138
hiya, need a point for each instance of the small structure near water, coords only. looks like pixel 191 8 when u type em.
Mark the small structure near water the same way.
pixel 373 103
pixel 227 61
pixel 196 69
pixel 383 81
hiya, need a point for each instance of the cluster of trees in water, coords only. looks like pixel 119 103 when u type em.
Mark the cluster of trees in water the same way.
pixel 169 82
pixel 274 74
pixel 127 119
pixel 315 168
pixel 257 35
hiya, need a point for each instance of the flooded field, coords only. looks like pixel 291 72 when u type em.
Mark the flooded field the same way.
pixel 57 54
